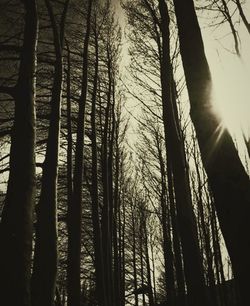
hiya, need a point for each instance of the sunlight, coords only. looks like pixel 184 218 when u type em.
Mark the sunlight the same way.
pixel 231 84
pixel 232 94
pixel 231 80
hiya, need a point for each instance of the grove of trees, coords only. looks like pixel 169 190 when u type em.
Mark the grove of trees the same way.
pixel 119 183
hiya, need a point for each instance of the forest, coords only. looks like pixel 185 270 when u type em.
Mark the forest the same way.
pixel 124 152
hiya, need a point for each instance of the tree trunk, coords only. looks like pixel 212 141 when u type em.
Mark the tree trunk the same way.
pixel 69 166
pixel 45 254
pixel 167 245
pixel 99 269
pixel 227 177
pixel 75 212
pixel 186 219
pixel 149 281
pixel 135 282
pixel 206 236
pixel 117 285
pixel 106 211
pixel 17 217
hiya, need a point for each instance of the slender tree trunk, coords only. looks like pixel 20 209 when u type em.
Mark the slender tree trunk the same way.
pixel 135 282
pixel 149 281
pixel 69 166
pixel 181 296
pixel 227 177
pixel 106 211
pixel 142 264
pixel 167 245
pixel 117 285
pixel 99 269
pixel 180 278
pixel 45 254
pixel 122 223
pixel 153 271
pixel 111 189
pixel 75 213
pixel 17 216
pixel 186 219
pixel 205 232
pixel 217 257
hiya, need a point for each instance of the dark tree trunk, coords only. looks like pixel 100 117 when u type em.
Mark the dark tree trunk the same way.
pixel 186 219
pixel 167 243
pixel 135 281
pixel 142 270
pixel 122 224
pixel 106 211
pixel 99 269
pixel 227 177
pixel 149 280
pixel 17 216
pixel 111 188
pixel 45 254
pixel 206 236
pixel 219 270
pixel 117 285
pixel 75 211
pixel 69 164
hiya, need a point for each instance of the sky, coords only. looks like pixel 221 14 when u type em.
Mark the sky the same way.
pixel 230 73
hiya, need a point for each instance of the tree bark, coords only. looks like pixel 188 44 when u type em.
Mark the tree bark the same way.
pixel 17 217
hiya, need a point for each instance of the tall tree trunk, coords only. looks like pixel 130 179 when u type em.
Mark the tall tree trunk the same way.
pixel 75 212
pixel 106 211
pixel 167 245
pixel 227 177
pixel 135 281
pixel 148 269
pixel 117 285
pixel 204 228
pixel 17 216
pixel 153 271
pixel 69 164
pixel 111 189
pixel 181 300
pixel 142 263
pixel 217 257
pixel 45 254
pixel 99 269
pixel 122 224
pixel 186 219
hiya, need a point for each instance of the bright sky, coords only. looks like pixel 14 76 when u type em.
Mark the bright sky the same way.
pixel 231 75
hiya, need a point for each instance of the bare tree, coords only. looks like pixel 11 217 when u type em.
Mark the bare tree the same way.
pixel 45 253
pixel 227 177
pixel 17 216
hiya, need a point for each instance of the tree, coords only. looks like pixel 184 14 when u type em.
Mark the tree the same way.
pixel 227 177
pixel 45 253
pixel 75 208
pixel 17 216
